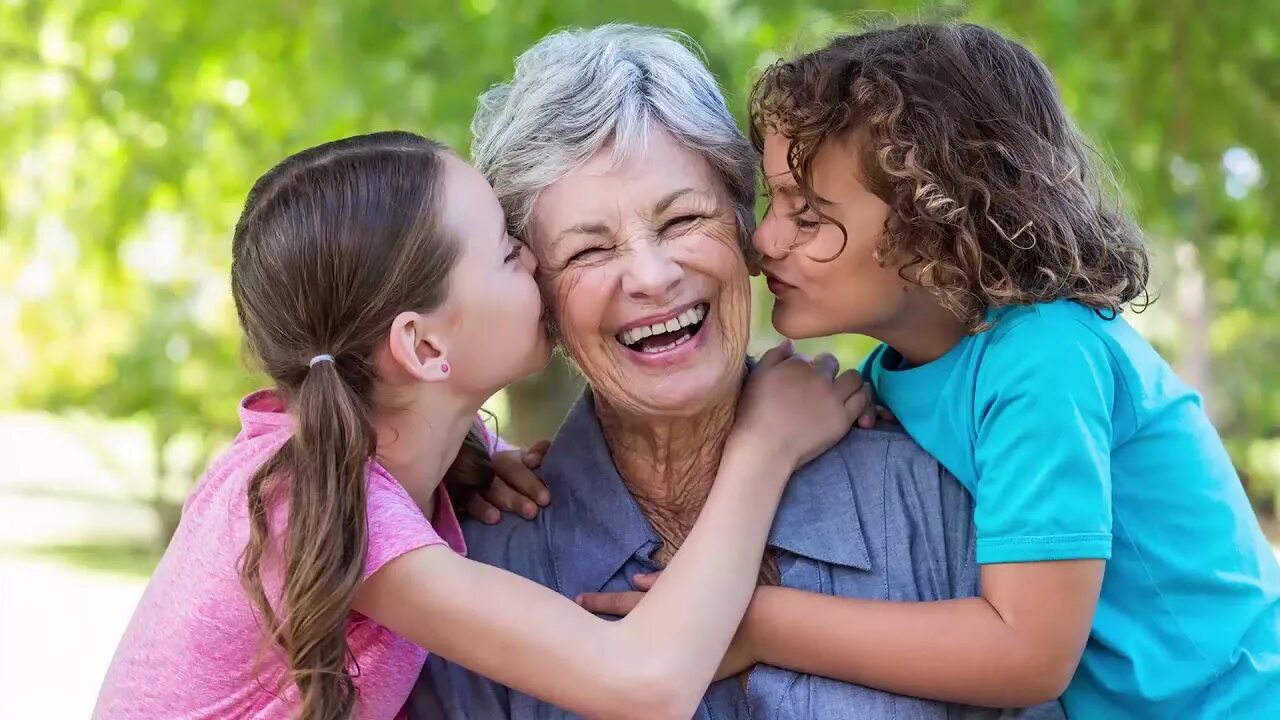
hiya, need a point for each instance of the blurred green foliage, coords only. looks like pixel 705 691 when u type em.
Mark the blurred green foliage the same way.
pixel 131 131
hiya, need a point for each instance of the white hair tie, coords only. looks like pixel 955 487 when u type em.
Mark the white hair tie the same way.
pixel 319 359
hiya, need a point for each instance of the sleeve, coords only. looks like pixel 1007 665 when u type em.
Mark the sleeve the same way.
pixel 396 524
pixel 1044 401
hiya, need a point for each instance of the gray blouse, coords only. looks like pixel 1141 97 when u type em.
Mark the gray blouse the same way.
pixel 874 517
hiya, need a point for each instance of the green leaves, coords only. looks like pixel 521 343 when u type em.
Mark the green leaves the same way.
pixel 132 130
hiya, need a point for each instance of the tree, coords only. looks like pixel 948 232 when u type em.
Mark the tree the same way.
pixel 133 130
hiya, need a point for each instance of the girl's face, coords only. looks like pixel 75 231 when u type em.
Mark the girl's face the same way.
pixel 822 289
pixel 493 315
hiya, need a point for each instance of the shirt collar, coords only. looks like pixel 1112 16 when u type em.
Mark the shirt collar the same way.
pixel 595 526
pixel 262 412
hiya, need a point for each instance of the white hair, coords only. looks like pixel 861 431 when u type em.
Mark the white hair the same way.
pixel 578 90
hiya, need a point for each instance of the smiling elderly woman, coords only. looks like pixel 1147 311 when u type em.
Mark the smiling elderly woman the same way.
pixel 617 161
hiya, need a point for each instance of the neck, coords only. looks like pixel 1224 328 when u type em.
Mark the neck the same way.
pixel 668 464
pixel 924 333
pixel 417 446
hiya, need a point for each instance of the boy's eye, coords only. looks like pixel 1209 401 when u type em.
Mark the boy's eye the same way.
pixel 804 223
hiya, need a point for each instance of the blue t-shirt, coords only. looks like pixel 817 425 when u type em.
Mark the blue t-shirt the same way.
pixel 1078 441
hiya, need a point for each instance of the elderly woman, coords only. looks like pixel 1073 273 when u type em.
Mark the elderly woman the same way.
pixel 616 159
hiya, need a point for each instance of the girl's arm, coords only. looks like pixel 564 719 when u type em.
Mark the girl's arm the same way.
pixel 658 662
pixel 1016 646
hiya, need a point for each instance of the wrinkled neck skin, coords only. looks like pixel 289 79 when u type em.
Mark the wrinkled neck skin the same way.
pixel 668 463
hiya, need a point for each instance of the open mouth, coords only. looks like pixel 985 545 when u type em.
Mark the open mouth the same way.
pixel 663 336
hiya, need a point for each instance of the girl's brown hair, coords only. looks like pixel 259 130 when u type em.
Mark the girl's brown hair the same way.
pixel 993 199
pixel 333 243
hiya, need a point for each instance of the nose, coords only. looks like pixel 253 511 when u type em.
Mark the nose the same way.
pixel 768 237
pixel 530 259
pixel 653 275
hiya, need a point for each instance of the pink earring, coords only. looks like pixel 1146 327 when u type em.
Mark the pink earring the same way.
pixel 444 368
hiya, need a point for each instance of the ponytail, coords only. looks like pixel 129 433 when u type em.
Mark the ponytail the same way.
pixel 324 464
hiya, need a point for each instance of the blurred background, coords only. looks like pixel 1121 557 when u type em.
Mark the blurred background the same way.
pixel 130 132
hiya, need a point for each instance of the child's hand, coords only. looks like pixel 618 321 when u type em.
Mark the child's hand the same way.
pixel 797 408
pixel 738 658
pixel 874 410
pixel 515 489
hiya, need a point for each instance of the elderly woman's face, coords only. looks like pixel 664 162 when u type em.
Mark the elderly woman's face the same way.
pixel 641 266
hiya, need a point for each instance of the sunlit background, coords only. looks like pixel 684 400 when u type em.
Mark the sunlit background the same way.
pixel 130 132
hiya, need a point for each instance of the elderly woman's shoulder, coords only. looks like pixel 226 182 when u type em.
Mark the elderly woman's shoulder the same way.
pixel 884 433
pixel 513 543
pixel 886 444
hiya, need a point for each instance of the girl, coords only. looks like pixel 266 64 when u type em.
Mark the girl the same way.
pixel 929 190
pixel 376 282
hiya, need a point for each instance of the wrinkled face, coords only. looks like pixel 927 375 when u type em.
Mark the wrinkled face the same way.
pixel 820 288
pixel 644 276
pixel 497 333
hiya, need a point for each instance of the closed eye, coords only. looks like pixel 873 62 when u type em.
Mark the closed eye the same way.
pixel 515 253
pixel 681 221
pixel 585 254
pixel 804 223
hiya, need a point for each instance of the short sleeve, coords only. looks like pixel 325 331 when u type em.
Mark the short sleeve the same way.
pixel 1044 403
pixel 396 524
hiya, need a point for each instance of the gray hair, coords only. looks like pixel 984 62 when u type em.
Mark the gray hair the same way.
pixel 578 90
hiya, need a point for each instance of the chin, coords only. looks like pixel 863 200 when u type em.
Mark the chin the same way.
pixel 681 390
pixel 795 327
pixel 685 395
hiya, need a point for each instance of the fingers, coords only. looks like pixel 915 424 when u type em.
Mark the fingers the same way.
pixel 860 405
pixel 848 383
pixel 512 468
pixel 617 603
pixel 507 499
pixel 827 363
pixel 884 413
pixel 482 510
pixel 776 354
pixel 645 581
pixel 535 452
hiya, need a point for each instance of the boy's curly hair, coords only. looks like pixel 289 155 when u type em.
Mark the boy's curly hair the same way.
pixel 993 200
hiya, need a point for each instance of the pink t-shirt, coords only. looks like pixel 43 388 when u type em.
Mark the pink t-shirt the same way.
pixel 189 650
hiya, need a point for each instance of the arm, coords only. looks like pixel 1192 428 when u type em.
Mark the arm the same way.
pixel 1043 520
pixel 530 638
pixel 658 662
pixel 1016 646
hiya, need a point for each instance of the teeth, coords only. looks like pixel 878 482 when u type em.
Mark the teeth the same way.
pixel 663 348
pixel 685 319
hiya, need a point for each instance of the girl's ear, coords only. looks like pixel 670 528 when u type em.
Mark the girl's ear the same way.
pixel 418 347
